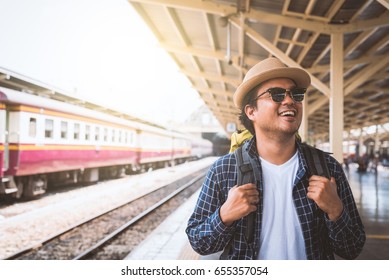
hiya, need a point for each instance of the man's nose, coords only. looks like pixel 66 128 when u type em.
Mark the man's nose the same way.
pixel 288 98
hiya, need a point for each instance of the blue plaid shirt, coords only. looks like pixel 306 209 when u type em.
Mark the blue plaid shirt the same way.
pixel 207 233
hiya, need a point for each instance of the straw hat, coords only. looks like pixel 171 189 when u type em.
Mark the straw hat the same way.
pixel 267 69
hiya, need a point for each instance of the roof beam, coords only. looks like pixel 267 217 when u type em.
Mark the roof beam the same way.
pixel 266 17
pixel 359 40
pixel 251 33
pixel 384 3
pixel 352 83
pixel 218 104
pixel 328 16
pixel 298 31
pixel 193 5
pixel 312 108
pixel 211 38
pixel 214 91
pixel 220 55
pixel 364 74
pixel 364 24
pixel 227 10
pixel 177 26
pixel 216 78
pixel 139 9
pixel 362 84
pixel 4 76
pixel 347 64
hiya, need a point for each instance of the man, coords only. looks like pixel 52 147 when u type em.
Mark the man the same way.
pixel 297 216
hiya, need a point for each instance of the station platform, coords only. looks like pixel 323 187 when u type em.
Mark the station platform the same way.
pixel 371 191
pixel 169 241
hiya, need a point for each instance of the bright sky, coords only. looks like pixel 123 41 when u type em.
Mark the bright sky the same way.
pixel 100 50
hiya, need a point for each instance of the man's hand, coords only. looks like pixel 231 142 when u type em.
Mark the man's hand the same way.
pixel 323 192
pixel 241 201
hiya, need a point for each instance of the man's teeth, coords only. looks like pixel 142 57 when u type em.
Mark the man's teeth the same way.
pixel 288 113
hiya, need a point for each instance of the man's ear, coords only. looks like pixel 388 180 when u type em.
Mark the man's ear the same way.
pixel 249 110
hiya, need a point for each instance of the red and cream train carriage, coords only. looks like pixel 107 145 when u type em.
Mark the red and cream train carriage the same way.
pixel 44 141
pixel 3 147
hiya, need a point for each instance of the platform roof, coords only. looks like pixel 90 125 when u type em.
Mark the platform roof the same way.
pixel 215 42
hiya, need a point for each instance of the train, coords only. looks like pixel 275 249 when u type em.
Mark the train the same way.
pixel 46 142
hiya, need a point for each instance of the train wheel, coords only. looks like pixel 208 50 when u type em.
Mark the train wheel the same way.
pixel 114 172
pixel 90 176
pixel 36 185
pixel 122 171
pixel 20 186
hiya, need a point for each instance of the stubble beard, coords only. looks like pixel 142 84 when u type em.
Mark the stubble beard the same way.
pixel 278 133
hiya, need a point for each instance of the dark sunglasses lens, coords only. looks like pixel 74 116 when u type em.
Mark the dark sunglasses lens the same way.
pixel 298 97
pixel 277 94
pixel 298 94
pixel 278 97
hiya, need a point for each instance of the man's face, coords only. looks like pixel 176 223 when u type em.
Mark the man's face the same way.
pixel 279 120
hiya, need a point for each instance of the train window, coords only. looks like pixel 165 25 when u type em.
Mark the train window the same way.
pixel 49 128
pixel 32 127
pixel 87 132
pixel 97 133
pixel 64 130
pixel 76 131
pixel 105 134
pixel 120 140
pixel 113 135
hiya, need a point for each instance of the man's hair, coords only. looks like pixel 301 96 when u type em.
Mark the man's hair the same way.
pixel 248 100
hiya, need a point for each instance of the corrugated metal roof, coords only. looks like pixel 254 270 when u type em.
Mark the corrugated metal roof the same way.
pixel 215 42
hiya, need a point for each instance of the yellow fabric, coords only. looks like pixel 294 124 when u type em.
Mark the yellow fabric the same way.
pixel 238 137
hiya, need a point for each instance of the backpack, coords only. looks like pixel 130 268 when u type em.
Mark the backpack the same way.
pixel 316 164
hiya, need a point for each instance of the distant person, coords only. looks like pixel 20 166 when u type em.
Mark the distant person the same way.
pixel 296 216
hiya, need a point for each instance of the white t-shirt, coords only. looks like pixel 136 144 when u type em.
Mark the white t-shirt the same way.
pixel 281 236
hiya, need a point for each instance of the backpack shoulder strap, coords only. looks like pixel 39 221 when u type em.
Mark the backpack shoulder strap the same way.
pixel 316 161
pixel 317 165
pixel 244 169
pixel 245 175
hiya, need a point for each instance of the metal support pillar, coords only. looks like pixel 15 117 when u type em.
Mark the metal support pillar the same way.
pixel 377 141
pixel 336 97
pixel 348 143
pixel 303 131
pixel 360 143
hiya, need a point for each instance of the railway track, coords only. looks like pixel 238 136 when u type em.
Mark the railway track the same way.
pixel 114 233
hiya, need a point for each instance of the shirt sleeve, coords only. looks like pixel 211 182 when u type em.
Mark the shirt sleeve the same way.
pixel 206 232
pixel 347 234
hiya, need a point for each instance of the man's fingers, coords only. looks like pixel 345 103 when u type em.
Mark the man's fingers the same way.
pixel 247 186
pixel 247 189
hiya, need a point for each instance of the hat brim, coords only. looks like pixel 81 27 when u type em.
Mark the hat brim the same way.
pixel 299 76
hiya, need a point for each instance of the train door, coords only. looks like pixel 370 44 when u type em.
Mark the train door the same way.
pixel 6 185
pixel 173 150
pixel 138 149
pixel 3 149
pixel 6 142
pixel 4 116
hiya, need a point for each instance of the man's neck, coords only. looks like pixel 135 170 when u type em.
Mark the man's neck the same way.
pixel 276 151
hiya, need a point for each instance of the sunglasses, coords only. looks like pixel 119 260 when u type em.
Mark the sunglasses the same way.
pixel 278 94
